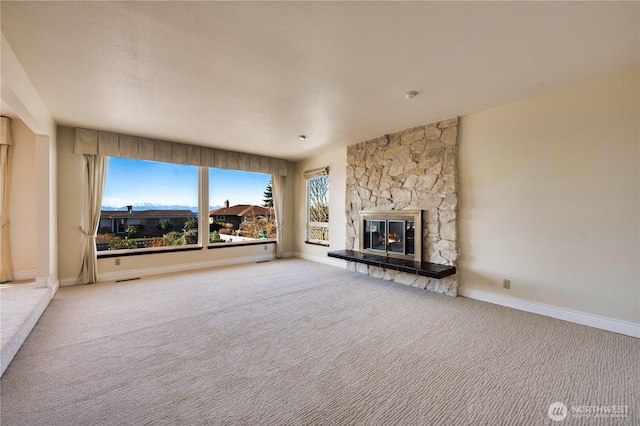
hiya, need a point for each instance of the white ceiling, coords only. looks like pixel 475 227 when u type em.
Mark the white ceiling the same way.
pixel 252 76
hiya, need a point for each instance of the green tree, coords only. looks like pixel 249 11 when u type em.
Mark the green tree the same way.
pixel 122 244
pixel 268 196
pixel 174 238
pixel 165 226
pixel 191 223
pixel 134 230
pixel 191 236
pixel 214 237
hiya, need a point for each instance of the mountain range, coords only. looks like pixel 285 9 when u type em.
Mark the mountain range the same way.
pixel 150 206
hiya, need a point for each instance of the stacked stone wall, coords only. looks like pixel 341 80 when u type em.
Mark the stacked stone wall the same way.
pixel 415 169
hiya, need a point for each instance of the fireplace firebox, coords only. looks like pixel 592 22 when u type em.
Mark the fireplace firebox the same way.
pixel 395 233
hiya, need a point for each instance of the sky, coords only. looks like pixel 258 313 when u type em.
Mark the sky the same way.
pixel 137 182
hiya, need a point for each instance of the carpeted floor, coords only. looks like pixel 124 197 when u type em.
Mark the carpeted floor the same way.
pixel 21 304
pixel 297 342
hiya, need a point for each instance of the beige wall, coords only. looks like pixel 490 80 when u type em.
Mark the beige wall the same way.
pixel 22 209
pixel 337 162
pixel 22 99
pixel 70 200
pixel 549 198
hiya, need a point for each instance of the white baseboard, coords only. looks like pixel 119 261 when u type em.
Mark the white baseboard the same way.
pixel 604 323
pixel 136 273
pixel 41 282
pixel 24 275
pixel 322 259
pixel 68 281
pixel 54 286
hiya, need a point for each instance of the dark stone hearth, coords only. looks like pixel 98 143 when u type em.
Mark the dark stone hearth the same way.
pixel 426 269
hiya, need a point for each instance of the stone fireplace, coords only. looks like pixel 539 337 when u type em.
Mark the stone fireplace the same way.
pixel 397 175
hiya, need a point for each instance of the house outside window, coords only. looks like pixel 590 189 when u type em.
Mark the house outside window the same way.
pixel 318 206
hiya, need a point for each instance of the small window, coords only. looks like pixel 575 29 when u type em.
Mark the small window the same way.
pixel 318 208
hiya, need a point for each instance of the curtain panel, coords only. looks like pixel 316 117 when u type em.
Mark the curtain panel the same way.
pixel 93 142
pixel 278 183
pixel 6 140
pixel 96 176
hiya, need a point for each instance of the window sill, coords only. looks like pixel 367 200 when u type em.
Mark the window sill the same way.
pixel 240 244
pixel 139 252
pixel 314 243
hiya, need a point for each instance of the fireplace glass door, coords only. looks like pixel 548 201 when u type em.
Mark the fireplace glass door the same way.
pixel 375 237
pixel 389 236
pixel 395 238
pixel 391 233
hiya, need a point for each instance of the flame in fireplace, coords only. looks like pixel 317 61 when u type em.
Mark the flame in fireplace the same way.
pixel 394 237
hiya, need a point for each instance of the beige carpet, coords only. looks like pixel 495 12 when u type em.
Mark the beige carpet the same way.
pixel 296 342
pixel 21 304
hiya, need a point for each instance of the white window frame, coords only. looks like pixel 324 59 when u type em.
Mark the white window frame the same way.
pixel 309 176
pixel 223 218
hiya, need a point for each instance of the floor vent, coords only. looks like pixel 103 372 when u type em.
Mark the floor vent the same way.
pixel 262 261
pixel 127 279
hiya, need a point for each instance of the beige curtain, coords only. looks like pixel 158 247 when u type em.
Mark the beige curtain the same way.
pixel 96 169
pixel 6 273
pixel 6 140
pixel 278 184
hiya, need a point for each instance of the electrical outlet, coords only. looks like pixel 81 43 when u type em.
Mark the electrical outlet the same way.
pixel 265 247
pixel 117 262
pixel 506 284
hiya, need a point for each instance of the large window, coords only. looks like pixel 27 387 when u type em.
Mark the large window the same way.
pixel 318 209
pixel 240 207
pixel 148 204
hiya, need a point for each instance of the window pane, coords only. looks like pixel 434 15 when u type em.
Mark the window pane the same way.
pixel 148 204
pixel 319 233
pixel 240 206
pixel 318 202
pixel 319 199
